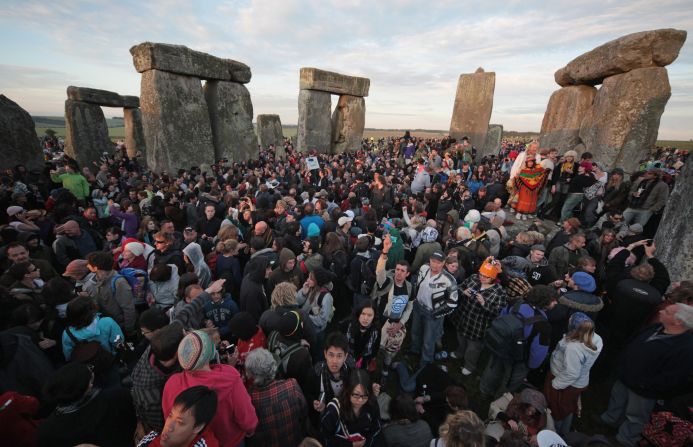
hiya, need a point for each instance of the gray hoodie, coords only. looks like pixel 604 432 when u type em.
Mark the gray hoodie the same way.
pixel 165 292
pixel 194 253
pixel 571 363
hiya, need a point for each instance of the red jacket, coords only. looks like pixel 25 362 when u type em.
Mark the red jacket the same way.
pixel 235 416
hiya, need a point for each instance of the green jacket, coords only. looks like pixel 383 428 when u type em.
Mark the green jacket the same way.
pixel 76 183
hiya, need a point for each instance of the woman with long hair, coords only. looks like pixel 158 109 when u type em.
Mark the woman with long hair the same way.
pixel 316 300
pixel 600 248
pixel 228 266
pixel 353 418
pixel 363 334
pixel 571 362
pixel 148 227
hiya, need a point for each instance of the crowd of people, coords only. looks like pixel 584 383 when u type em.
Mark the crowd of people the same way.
pixel 408 293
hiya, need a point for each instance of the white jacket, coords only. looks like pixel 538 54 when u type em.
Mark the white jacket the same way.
pixel 571 363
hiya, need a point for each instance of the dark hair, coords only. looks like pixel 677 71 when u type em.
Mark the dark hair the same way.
pixel 541 296
pixel 403 407
pixel 405 263
pixel 58 290
pixel 185 280
pixel 512 439
pixel 337 340
pixel 115 230
pixel 457 397
pixel 27 314
pixel 102 260
pixel 153 319
pixel 165 342
pixel 15 244
pixel 364 304
pixel 81 312
pixel 18 270
pixel 68 384
pixel 356 378
pixel 257 243
pixel 201 401
pixel 160 273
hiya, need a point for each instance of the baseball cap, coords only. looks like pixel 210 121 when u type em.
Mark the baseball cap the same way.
pixel 538 247
pixel 344 219
pixel 438 256
pixel 14 210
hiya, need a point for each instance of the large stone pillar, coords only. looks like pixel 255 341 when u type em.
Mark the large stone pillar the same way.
pixel 565 111
pixel 673 239
pixel 621 126
pixel 473 106
pixel 494 138
pixel 348 123
pixel 314 123
pixel 231 118
pixel 18 142
pixel 86 132
pixel 269 130
pixel 175 121
pixel 134 133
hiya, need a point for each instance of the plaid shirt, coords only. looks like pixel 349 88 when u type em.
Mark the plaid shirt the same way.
pixel 476 318
pixel 281 410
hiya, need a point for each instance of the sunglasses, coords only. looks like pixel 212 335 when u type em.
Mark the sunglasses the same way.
pixel 159 242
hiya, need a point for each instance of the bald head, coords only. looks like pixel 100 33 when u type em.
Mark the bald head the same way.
pixel 260 228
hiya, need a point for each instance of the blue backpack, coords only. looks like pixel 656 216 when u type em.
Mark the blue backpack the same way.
pixel 138 280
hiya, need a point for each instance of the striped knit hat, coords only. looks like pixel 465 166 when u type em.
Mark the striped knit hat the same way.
pixel 195 350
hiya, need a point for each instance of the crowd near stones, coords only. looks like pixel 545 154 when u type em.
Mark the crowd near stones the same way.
pixel 205 283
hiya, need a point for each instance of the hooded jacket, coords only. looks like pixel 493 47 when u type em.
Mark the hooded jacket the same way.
pixel 280 274
pixel 165 292
pixel 115 300
pixel 235 416
pixel 252 297
pixel 102 329
pixel 569 303
pixel 571 362
pixel 194 253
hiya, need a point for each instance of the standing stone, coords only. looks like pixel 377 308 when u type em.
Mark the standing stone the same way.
pixel 175 121
pixel 231 118
pixel 331 82
pixel 134 133
pixel 673 239
pixel 656 48
pixel 473 106
pixel 18 141
pixel 269 131
pixel 86 132
pixel 348 123
pixel 621 126
pixel 567 107
pixel 494 136
pixel 314 123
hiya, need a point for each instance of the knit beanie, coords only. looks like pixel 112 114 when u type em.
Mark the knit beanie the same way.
pixel 76 269
pixel 577 319
pixel 518 288
pixel 291 325
pixel 136 248
pixel 584 281
pixel 313 230
pixel 243 325
pixel 195 350
pixel 322 276
pixel 490 267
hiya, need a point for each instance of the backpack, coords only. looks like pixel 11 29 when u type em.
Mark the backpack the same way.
pixel 282 352
pixel 90 353
pixel 506 335
pixel 338 268
pixel 137 279
pixel 366 279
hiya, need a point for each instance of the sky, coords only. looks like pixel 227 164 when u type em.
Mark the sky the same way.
pixel 412 51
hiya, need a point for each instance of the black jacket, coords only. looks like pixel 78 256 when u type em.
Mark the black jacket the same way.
pixel 253 298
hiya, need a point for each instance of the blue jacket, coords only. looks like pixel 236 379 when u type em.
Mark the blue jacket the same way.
pixel 538 335
pixel 102 329
pixel 317 220
pixel 220 313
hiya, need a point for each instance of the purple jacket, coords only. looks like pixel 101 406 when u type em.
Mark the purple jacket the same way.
pixel 130 221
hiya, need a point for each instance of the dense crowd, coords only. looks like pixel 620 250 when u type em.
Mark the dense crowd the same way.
pixel 409 293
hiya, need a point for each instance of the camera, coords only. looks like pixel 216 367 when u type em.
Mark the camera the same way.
pixel 230 349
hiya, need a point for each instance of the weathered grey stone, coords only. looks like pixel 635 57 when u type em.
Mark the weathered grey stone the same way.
pixel 269 130
pixel 473 106
pixel 492 144
pixel 182 60
pixel 348 123
pixel 131 102
pixel 329 81
pixel 314 122
pixel 134 133
pixel 231 118
pixel 86 132
pixel 621 126
pixel 673 239
pixel 656 48
pixel 175 120
pixel 567 107
pixel 95 96
pixel 18 141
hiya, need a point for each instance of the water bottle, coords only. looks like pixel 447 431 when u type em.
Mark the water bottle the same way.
pixel 423 394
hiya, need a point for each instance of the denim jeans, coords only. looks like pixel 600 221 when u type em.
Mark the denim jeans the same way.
pixel 571 201
pixel 502 375
pixel 629 411
pixel 633 215
pixel 563 426
pixel 470 350
pixel 425 332
pixel 589 215
pixel 407 381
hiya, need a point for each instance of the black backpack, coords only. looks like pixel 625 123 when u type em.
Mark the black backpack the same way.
pixel 282 352
pixel 91 353
pixel 506 335
pixel 365 281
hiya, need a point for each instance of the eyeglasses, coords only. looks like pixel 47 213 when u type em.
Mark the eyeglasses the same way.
pixel 359 396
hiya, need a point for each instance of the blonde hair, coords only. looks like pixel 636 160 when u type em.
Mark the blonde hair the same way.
pixel 228 246
pixel 463 429
pixel 228 232
pixel 537 237
pixel 523 237
pixel 583 333
pixel 284 294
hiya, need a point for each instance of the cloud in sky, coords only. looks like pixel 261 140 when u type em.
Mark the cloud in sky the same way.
pixel 413 51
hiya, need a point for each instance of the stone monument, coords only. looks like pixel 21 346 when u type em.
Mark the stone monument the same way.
pixel 473 106
pixel 269 130
pixel 316 130
pixel 18 141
